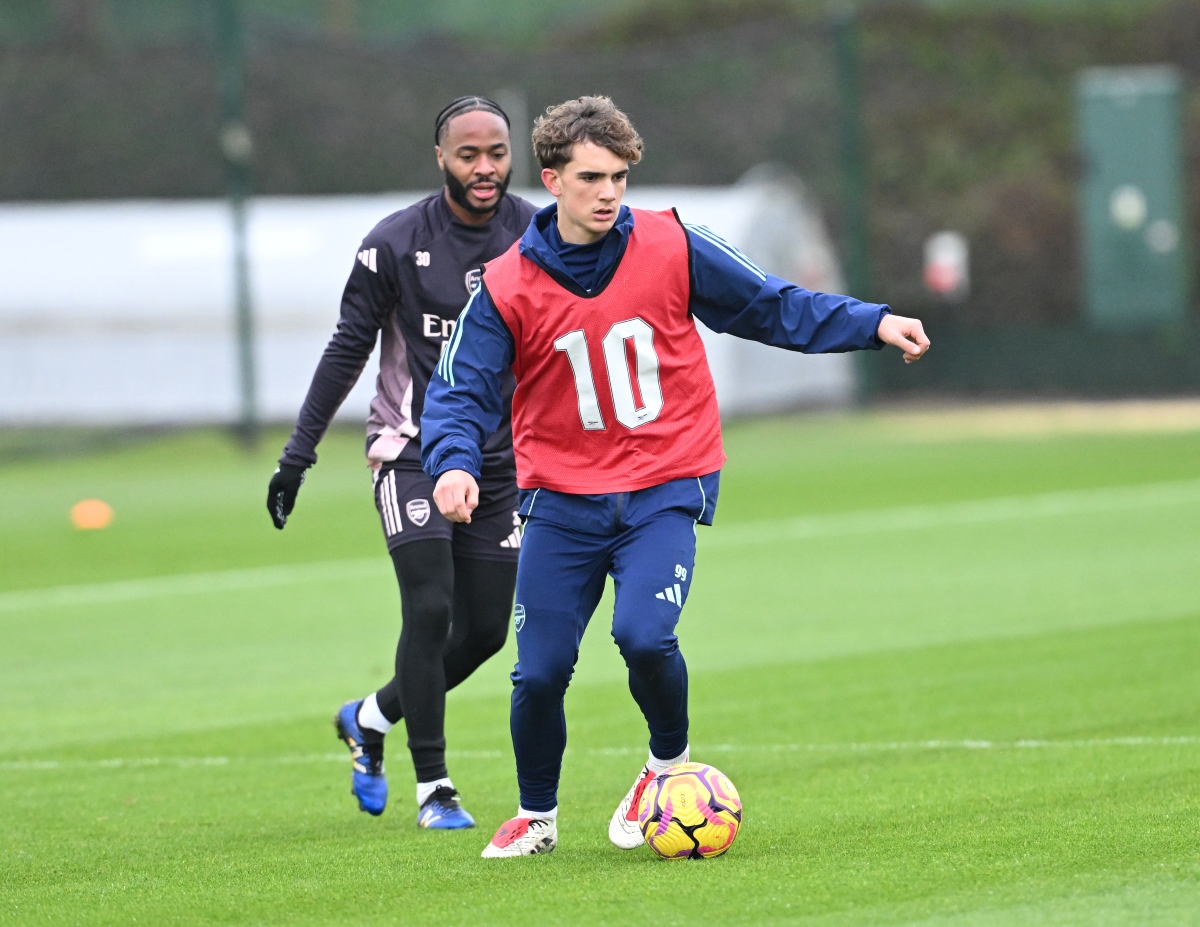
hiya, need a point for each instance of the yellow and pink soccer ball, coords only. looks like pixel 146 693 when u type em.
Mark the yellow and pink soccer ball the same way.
pixel 691 811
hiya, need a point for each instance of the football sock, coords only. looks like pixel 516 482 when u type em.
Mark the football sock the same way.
pixel 655 765
pixel 543 815
pixel 425 789
pixel 371 718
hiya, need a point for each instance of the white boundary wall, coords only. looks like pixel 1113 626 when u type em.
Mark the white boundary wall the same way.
pixel 121 312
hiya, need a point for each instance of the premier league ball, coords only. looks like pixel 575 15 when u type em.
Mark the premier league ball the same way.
pixel 691 811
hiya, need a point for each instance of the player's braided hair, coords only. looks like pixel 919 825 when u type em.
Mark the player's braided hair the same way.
pixel 470 104
pixel 587 119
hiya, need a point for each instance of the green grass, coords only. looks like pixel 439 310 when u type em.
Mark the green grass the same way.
pixel 983 709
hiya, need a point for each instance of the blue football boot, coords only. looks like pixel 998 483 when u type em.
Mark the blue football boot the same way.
pixel 367 783
pixel 443 811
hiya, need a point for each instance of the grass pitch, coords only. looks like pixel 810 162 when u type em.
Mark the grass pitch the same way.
pixel 952 672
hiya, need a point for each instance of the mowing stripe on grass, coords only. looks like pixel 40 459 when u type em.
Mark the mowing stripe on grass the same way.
pixel 194 583
pixel 871 521
pixel 953 514
pixel 881 747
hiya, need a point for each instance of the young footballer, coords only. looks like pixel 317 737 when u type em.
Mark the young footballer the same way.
pixel 413 274
pixel 615 429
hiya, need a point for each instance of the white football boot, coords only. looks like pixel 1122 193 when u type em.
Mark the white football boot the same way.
pixel 623 829
pixel 522 837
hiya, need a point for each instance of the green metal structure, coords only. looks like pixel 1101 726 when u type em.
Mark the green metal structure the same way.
pixel 237 147
pixel 1133 200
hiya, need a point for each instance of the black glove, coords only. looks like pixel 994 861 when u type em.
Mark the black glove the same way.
pixel 281 494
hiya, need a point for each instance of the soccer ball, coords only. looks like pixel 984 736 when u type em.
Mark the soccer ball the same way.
pixel 691 811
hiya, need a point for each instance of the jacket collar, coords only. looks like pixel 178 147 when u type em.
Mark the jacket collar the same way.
pixel 535 245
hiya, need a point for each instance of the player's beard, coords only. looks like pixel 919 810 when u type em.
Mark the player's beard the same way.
pixel 458 193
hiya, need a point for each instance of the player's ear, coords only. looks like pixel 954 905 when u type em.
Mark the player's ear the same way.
pixel 437 150
pixel 552 181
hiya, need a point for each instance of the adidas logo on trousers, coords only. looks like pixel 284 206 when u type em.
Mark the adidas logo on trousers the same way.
pixel 671 594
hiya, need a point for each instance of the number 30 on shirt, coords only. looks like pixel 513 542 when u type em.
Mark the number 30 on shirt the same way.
pixel 632 369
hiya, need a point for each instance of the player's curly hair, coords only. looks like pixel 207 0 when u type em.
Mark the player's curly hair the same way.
pixel 587 119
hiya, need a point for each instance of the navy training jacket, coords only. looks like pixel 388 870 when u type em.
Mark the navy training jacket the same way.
pixel 729 294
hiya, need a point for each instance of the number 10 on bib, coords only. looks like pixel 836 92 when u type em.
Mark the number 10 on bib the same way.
pixel 632 368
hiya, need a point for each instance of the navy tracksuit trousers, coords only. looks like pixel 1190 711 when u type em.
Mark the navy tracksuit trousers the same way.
pixel 645 540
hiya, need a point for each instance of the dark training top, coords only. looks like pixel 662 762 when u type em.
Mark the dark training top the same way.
pixel 411 278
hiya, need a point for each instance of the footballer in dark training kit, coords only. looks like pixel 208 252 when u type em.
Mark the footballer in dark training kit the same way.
pixel 411 278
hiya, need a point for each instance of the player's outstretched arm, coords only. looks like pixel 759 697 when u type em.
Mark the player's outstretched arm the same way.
pixel 906 334
pixel 464 406
pixel 369 295
pixel 731 294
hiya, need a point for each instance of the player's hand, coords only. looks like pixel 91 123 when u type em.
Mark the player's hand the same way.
pixel 456 495
pixel 906 334
pixel 281 493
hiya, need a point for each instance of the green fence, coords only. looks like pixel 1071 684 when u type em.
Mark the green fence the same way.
pixel 1046 361
pixel 968 123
